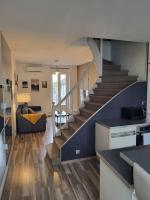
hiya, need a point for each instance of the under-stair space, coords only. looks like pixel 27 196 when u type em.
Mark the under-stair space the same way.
pixel 114 80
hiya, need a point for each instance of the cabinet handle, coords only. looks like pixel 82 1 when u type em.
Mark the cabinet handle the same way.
pixel 123 134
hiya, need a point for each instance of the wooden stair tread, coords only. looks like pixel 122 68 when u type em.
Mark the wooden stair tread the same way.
pixel 74 125
pixel 115 70
pixel 108 89
pixel 81 118
pixel 114 73
pixel 111 67
pixel 118 79
pixel 67 133
pixel 94 103
pixel 87 110
pixel 109 85
pixel 101 96
pixel 53 151
pixel 115 83
pixel 59 140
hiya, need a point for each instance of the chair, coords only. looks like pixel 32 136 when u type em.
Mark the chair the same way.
pixel 141 183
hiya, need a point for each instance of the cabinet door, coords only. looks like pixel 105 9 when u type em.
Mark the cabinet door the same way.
pixel 111 186
pixel 102 138
pixel 125 141
pixel 122 129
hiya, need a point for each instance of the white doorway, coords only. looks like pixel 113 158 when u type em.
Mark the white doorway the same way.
pixel 59 85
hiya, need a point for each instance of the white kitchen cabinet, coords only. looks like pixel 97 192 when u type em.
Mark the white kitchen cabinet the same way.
pixel 114 137
pixel 111 185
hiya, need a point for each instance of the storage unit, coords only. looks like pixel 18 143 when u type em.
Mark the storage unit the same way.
pixel 114 137
pixel 112 186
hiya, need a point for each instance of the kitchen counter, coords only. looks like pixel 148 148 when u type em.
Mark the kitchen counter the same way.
pixel 122 122
pixel 121 161
pixel 139 155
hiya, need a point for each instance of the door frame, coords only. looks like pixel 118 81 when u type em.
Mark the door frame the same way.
pixel 60 71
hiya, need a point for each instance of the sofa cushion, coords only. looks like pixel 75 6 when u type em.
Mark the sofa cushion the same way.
pixel 36 108
pixel 33 118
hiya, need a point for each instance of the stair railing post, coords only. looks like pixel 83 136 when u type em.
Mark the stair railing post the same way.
pixel 60 116
pixel 66 109
pixel 101 53
pixel 78 95
pixel 53 119
pixel 71 103
pixel 88 81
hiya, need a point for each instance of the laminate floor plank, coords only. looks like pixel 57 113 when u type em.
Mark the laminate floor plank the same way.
pixel 31 176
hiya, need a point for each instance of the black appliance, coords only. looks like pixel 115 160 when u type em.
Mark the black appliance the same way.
pixel 132 113
pixel 143 135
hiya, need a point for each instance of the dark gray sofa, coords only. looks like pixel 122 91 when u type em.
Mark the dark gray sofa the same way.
pixel 25 126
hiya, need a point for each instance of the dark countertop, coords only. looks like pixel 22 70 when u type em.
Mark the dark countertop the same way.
pixel 140 156
pixel 123 169
pixel 121 122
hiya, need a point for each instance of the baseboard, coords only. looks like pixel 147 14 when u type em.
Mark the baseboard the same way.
pixel 77 160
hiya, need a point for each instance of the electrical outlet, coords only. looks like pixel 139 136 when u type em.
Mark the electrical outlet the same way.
pixel 77 151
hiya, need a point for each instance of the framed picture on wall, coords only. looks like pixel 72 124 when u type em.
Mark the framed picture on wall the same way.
pixel 9 85
pixel 35 85
pixel 44 84
pixel 24 84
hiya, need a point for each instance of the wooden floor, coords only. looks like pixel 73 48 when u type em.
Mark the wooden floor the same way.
pixel 30 176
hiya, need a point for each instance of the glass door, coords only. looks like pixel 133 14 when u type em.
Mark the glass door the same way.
pixel 55 88
pixel 63 87
pixel 60 85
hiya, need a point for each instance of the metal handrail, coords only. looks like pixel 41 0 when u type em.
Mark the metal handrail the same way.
pixel 74 87
pixel 69 97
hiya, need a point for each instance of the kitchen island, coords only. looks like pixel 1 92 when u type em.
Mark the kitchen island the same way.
pixel 116 171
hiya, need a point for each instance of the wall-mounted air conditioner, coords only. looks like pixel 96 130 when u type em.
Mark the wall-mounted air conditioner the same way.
pixel 34 69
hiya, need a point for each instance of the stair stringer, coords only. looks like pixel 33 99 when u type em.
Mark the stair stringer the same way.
pixel 89 125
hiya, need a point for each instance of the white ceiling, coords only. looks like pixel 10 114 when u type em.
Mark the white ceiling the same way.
pixel 42 31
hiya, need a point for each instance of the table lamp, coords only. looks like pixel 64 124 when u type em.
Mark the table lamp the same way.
pixel 23 97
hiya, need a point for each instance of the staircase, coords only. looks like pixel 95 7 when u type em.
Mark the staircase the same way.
pixel 113 81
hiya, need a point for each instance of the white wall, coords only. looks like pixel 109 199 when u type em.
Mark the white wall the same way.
pixel 107 54
pixel 6 59
pixel 97 54
pixel 90 78
pixel 73 81
pixel 1 71
pixel 43 97
pixel 131 56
